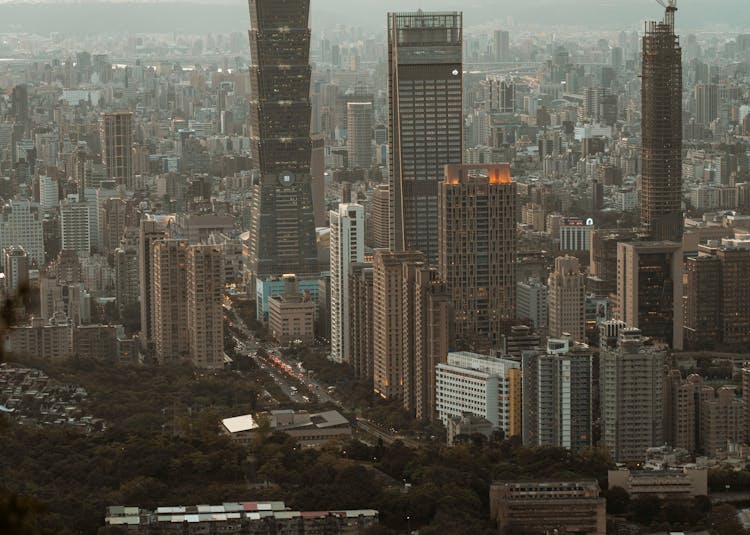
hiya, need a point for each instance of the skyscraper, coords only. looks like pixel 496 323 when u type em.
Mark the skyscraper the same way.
pixel 359 134
pixel 168 300
pixel 567 299
pixel 151 229
pixel 706 103
pixel 502 45
pixel 425 130
pixel 477 249
pixel 347 247
pixel 661 145
pixel 282 234
pixel 116 135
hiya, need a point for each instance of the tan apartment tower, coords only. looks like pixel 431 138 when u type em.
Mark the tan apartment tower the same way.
pixel 567 300
pixel 116 136
pixel 205 292
pixel 477 220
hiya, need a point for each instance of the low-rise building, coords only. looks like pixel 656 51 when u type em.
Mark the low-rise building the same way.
pixel 467 425
pixel 666 484
pixel 292 314
pixel 548 507
pixel 257 518
pixel 309 430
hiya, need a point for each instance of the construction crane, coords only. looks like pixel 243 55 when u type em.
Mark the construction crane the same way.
pixel 671 7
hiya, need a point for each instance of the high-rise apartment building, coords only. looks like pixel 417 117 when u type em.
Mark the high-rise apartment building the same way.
pixel 168 300
pixel 631 383
pixel 567 300
pixel 649 289
pixel 347 247
pixel 359 117
pixel 75 225
pixel 282 233
pixel 116 136
pixel 557 390
pixel 661 131
pixel 433 336
pixel 380 217
pixel 127 282
pixel 392 302
pixel 481 385
pixel 151 230
pixel 361 319
pixel 425 126
pixel 205 292
pixel 477 249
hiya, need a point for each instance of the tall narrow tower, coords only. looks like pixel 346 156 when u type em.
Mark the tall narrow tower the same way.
pixel 661 115
pixel 282 237
pixel 425 76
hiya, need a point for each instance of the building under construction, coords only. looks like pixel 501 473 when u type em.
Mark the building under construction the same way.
pixel 661 116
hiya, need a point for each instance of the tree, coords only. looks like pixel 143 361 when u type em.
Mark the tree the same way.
pixel 645 509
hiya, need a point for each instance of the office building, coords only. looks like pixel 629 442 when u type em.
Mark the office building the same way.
pixel 380 217
pixel 706 104
pixel 347 247
pixel 359 117
pixel 531 303
pixel 204 266
pixel 501 45
pixel 115 215
pixel 49 193
pixel 392 323
pixel 291 315
pixel 169 301
pixel 602 280
pixel 649 289
pixel 558 391
pixel 567 300
pixel 481 385
pixel 116 136
pixel 548 507
pixel 575 234
pixel 75 224
pixel 318 177
pixel 632 396
pixel 477 249
pixel 361 319
pixel 661 131
pixel 270 286
pixel 425 121
pixel 717 311
pixel 282 231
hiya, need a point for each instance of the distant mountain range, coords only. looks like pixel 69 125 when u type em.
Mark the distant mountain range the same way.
pixel 201 16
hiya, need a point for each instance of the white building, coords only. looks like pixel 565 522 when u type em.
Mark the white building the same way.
pixel 75 223
pixel 49 193
pixel 531 302
pixel 21 224
pixel 347 247
pixel 484 386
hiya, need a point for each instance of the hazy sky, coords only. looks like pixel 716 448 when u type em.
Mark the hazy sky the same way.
pixel 232 15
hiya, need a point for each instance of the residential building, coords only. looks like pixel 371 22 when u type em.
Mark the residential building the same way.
pixel 21 224
pixel 380 217
pixel 347 247
pixel 204 266
pixel 361 319
pixel 558 396
pixel 169 300
pixel 116 136
pixel 567 300
pixel 477 249
pixel 632 396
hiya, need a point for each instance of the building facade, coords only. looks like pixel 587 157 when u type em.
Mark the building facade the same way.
pixel 567 300
pixel 425 121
